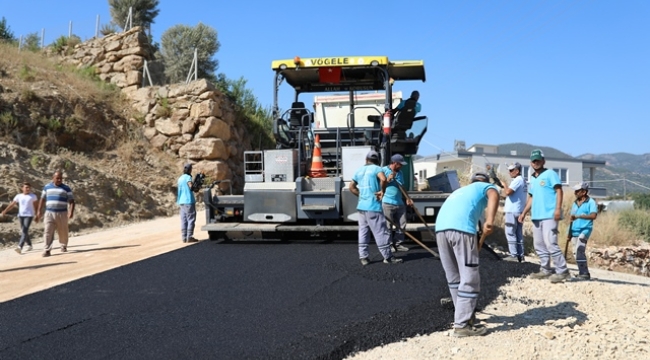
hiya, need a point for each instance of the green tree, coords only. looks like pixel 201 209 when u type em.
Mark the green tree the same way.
pixel 258 119
pixel 144 12
pixel 5 31
pixel 178 44
pixel 32 42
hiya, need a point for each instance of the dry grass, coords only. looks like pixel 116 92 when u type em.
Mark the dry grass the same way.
pixel 32 71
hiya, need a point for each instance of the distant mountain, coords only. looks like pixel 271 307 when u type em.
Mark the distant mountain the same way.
pixel 620 166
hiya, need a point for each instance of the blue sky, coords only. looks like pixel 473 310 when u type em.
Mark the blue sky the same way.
pixel 572 74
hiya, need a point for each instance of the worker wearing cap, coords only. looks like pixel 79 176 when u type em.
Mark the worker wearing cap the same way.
pixel 545 205
pixel 369 184
pixel 583 213
pixel 458 247
pixel 393 202
pixel 514 205
pixel 187 204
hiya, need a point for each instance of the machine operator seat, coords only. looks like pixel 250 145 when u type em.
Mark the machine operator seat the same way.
pixel 404 117
pixel 299 115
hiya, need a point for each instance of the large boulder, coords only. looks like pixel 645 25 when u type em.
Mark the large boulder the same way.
pixel 208 149
pixel 168 127
pixel 214 127
pixel 205 108
pixel 215 170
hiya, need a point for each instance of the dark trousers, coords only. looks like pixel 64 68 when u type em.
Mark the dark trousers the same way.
pixel 25 223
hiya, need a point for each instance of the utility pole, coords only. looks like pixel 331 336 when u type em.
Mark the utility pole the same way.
pixel 624 188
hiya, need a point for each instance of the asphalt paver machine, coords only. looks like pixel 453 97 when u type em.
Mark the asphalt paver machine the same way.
pixel 299 189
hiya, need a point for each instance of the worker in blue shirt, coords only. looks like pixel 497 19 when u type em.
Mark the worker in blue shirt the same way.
pixel 458 247
pixel 415 96
pixel 583 213
pixel 369 184
pixel 393 203
pixel 187 203
pixel 545 205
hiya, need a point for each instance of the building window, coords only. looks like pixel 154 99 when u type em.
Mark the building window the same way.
pixel 562 173
pixel 423 174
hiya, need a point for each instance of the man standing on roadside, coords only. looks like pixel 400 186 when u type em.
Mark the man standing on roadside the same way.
pixel 459 249
pixel 187 204
pixel 369 184
pixel 545 205
pixel 583 213
pixel 59 208
pixel 393 203
pixel 513 207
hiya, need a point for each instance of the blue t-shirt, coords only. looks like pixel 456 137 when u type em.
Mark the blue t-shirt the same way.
pixel 516 201
pixel 185 195
pixel 56 197
pixel 368 184
pixel 583 226
pixel 463 208
pixel 393 195
pixel 418 107
pixel 542 189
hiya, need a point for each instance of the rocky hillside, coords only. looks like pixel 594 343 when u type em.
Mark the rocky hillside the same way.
pixel 56 117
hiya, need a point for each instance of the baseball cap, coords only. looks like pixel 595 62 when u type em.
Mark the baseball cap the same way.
pixel 372 154
pixel 536 154
pixel 581 186
pixel 397 158
pixel 479 176
pixel 513 166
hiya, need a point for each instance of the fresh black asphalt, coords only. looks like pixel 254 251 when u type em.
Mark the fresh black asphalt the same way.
pixel 213 300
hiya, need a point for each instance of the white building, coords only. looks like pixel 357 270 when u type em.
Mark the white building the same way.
pixel 480 157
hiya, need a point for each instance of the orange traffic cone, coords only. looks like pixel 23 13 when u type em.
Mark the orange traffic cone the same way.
pixel 317 169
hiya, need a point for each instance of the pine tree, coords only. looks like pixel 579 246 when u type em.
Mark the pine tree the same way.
pixel 144 12
pixel 5 32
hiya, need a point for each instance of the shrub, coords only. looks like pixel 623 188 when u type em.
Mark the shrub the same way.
pixel 73 124
pixel 637 221
pixel 164 110
pixel 36 161
pixel 26 73
pixel 28 95
pixel 108 29
pixel 32 42
pixel 59 44
pixel 52 124
pixel 641 201
pixel 73 41
pixel 7 121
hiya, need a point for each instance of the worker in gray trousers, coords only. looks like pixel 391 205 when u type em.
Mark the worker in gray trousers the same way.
pixel 369 184
pixel 459 249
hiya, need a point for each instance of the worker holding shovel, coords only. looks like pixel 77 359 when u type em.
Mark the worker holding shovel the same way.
pixel 393 202
pixel 458 247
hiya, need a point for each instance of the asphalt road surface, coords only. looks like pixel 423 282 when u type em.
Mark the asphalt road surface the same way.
pixel 298 300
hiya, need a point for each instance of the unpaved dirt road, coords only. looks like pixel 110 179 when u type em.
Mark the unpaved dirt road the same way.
pixel 89 254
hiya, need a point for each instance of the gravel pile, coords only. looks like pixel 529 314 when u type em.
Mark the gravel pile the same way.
pixel 606 317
